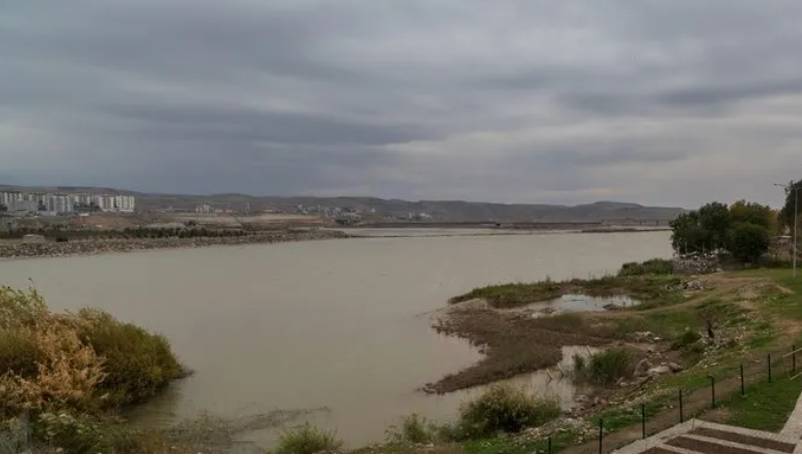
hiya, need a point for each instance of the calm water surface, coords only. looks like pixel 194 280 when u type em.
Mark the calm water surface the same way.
pixel 338 327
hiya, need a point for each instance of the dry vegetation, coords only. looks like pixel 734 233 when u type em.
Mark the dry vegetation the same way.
pixel 68 372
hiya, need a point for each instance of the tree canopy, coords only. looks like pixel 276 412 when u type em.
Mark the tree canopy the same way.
pixel 748 241
pixel 787 212
pixel 753 213
pixel 742 229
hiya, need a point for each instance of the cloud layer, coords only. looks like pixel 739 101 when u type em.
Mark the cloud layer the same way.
pixel 659 102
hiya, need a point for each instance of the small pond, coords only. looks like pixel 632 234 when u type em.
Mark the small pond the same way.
pixel 553 383
pixel 568 303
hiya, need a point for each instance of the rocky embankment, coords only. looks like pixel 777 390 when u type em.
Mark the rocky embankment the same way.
pixel 19 249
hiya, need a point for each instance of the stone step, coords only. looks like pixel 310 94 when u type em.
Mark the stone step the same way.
pixel 746 439
pixel 695 436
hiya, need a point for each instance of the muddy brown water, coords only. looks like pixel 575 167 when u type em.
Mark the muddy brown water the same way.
pixel 336 329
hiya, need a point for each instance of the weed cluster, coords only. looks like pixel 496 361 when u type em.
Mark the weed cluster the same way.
pixel 649 267
pixel 606 367
pixel 503 408
pixel 307 439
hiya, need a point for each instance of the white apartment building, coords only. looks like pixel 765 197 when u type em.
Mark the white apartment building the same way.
pixel 64 203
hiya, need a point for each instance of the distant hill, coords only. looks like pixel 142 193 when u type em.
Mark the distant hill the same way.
pixel 382 209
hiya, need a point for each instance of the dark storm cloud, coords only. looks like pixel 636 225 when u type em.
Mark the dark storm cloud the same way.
pixel 664 102
pixel 210 123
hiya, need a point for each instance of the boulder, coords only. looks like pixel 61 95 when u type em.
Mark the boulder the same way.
pixel 674 367
pixel 642 368
pixel 659 370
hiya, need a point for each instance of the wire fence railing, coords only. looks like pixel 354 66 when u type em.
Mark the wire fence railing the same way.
pixel 689 400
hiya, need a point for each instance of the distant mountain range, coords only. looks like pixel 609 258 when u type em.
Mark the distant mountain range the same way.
pixel 379 209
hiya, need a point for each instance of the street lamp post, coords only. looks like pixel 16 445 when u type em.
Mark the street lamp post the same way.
pixel 796 222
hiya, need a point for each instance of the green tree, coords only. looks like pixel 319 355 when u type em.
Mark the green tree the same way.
pixel 687 234
pixel 787 212
pixel 715 219
pixel 752 213
pixel 748 241
pixel 704 230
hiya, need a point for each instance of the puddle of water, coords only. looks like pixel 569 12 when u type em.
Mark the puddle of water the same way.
pixel 553 383
pixel 580 302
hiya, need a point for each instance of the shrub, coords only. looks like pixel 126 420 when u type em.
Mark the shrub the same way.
pixel 20 308
pixel 85 362
pixel 579 363
pixel 414 429
pixel 137 363
pixel 306 439
pixel 82 433
pixel 608 366
pixel 19 352
pixel 687 338
pixel 505 408
pixel 649 267
pixel 67 374
pixel 748 242
pixel 73 434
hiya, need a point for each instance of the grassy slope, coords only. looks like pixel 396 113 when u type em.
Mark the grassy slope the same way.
pixel 775 321
pixel 766 406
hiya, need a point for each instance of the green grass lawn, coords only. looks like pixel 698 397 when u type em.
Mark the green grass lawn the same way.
pixel 766 406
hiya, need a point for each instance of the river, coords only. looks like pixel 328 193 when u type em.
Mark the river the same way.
pixel 336 327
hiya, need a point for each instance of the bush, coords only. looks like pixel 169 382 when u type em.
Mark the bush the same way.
pixel 19 352
pixel 649 267
pixel 579 363
pixel 608 366
pixel 138 364
pixel 77 363
pixel 505 408
pixel 414 429
pixel 307 439
pixel 21 309
pixel 687 338
pixel 81 434
pixel 748 242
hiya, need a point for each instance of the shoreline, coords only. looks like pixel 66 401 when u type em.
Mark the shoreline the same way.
pixel 19 250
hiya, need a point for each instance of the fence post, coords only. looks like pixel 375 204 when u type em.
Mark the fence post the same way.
pixel 548 450
pixel 681 415
pixel 601 434
pixel 643 420
pixel 743 388
pixel 769 361
pixel 793 359
pixel 712 392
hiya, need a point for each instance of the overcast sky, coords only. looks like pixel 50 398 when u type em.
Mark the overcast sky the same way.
pixel 671 102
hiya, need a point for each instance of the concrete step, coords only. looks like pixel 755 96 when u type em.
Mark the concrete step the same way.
pixel 696 436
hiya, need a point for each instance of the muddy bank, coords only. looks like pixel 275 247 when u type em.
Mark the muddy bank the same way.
pixel 522 327
pixel 20 249
pixel 512 343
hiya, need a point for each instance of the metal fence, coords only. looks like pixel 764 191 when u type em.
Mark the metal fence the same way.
pixel 688 402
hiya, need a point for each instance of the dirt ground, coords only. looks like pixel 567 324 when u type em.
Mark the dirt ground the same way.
pixel 512 344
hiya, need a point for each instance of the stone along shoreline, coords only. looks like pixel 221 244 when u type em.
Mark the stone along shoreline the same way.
pixel 48 248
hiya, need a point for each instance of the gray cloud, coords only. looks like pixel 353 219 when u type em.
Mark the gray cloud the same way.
pixel 518 100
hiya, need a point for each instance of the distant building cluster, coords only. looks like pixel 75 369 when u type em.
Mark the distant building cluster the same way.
pixel 207 209
pixel 333 212
pixel 52 204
